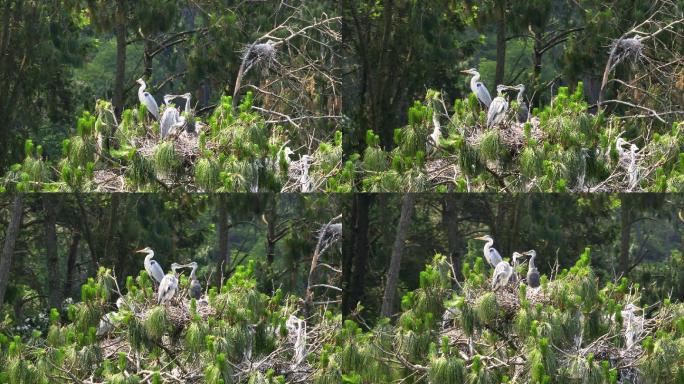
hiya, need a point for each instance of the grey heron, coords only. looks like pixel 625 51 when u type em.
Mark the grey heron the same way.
pixel 514 276
pixel 147 99
pixel 478 88
pixel 498 108
pixel 109 320
pixel 523 111
pixel 532 272
pixel 195 286
pixel 632 169
pixel 503 272
pixel 189 117
pixel 490 253
pixel 304 179
pixel 154 270
pixel 170 118
pixel 168 286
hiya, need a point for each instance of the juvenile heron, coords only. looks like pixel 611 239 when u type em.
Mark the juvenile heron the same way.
pixel 478 88
pixel 154 270
pixel 523 111
pixel 490 253
pixel 514 276
pixel 195 286
pixel 170 118
pixel 168 286
pixel 503 272
pixel 147 99
pixel 498 108
pixel 532 272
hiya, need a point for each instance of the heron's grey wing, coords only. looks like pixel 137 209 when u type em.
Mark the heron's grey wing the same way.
pixel 167 121
pixel 483 94
pixel 164 287
pixel 195 289
pixel 498 274
pixel 156 271
pixel 496 111
pixel 151 104
pixel 494 257
pixel 533 278
pixel 523 113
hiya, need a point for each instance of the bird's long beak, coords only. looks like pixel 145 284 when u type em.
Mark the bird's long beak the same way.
pixel 140 250
pixel 465 71
pixel 479 238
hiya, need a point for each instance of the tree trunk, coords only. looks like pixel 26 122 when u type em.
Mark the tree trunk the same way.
pixel 51 252
pixel 500 42
pixel 223 260
pixel 271 217
pixel 120 78
pixel 454 239
pixel 407 207
pixel 111 225
pixel 361 254
pixel 537 64
pixel 8 246
pixel 71 264
pixel 625 235
pixel 348 241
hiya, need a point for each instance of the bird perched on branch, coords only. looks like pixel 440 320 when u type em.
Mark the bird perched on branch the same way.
pixel 147 99
pixel 490 253
pixel 154 270
pixel 478 88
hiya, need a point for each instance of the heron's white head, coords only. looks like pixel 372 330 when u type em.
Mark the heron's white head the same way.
pixel 120 302
pixel 516 256
pixel 520 87
pixel 140 81
pixel 145 250
pixel 471 71
pixel 175 266
pixel 485 238
pixel 531 253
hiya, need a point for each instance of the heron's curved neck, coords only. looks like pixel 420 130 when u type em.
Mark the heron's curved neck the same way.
pixel 192 274
pixel 520 96
pixel 142 88
pixel 475 79
pixel 187 104
pixel 489 244
pixel 150 255
pixel 532 261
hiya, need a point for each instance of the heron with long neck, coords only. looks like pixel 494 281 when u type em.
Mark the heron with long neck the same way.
pixel 533 280
pixel 503 272
pixel 147 99
pixel 154 270
pixel 170 118
pixel 490 253
pixel 523 112
pixel 168 286
pixel 498 108
pixel 195 286
pixel 478 88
